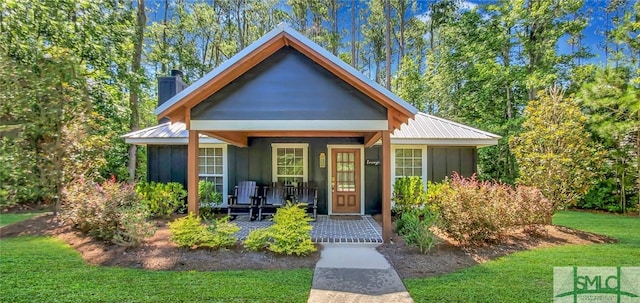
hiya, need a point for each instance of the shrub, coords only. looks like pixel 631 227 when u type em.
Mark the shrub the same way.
pixel 207 193
pixel 408 193
pixel 134 226
pixel 533 209
pixel 415 226
pixel 221 233
pixel 290 234
pixel 257 239
pixel 208 198
pixel 472 211
pixel 190 232
pixel 162 199
pixel 601 195
pixel 109 211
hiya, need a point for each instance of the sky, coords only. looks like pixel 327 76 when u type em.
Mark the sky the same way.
pixel 593 38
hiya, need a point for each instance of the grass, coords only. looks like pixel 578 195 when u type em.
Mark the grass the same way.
pixel 45 269
pixel 6 219
pixel 528 276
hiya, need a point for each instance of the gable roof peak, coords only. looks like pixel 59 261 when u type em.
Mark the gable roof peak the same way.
pixel 261 49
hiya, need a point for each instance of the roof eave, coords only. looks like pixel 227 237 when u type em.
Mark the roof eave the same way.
pixel 446 141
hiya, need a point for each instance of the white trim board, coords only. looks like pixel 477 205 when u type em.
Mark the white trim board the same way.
pixel 290 125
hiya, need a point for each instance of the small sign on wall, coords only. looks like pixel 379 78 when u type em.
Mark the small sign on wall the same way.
pixel 323 160
pixel 372 162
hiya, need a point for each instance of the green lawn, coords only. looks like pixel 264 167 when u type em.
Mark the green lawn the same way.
pixel 528 276
pixel 6 219
pixel 44 269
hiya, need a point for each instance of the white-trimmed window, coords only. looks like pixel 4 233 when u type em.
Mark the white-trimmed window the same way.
pixel 409 161
pixel 212 166
pixel 290 162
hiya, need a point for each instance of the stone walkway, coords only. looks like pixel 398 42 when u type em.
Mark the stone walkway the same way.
pixel 325 229
pixel 355 273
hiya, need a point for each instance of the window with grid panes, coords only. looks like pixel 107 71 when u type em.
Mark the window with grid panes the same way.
pixel 408 162
pixel 290 163
pixel 211 167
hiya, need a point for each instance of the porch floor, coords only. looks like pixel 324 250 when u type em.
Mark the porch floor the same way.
pixel 325 229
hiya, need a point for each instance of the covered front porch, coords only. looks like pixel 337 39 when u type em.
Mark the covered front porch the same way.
pixel 282 98
pixel 326 229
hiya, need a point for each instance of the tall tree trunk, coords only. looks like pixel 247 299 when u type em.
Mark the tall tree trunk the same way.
pixel 163 65
pixel 335 40
pixel 387 42
pixel 506 51
pixel 353 33
pixel 134 95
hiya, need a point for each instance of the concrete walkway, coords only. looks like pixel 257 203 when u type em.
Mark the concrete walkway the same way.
pixel 355 273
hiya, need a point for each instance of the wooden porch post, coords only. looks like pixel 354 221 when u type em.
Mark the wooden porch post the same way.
pixel 192 172
pixel 386 186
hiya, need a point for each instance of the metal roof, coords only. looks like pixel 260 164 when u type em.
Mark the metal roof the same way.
pixel 423 129
pixel 428 129
pixel 166 133
pixel 279 29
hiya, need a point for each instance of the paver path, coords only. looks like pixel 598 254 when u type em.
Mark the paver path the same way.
pixel 355 273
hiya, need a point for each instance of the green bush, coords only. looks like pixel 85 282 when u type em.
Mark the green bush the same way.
pixel 162 199
pixel 257 239
pixel 414 225
pixel 209 199
pixel 601 195
pixel 408 193
pixel 207 193
pixel 221 233
pixel 290 233
pixel 190 232
pixel 134 226
pixel 109 211
pixel 18 183
pixel 471 211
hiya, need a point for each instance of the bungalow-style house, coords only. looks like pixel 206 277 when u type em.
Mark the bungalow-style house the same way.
pixel 285 97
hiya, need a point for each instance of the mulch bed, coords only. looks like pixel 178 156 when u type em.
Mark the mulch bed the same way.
pixel 159 253
pixel 449 256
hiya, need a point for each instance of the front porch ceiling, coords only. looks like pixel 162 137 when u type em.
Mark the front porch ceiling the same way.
pixel 241 138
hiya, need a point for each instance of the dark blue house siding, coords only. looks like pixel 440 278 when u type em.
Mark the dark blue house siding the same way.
pixel 167 163
pixel 288 86
pixel 254 162
pixel 373 181
pixel 443 161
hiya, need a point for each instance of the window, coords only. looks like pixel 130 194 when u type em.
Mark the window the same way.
pixel 211 166
pixel 408 162
pixel 289 163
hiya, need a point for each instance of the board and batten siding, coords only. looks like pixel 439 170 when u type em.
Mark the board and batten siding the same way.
pixel 167 163
pixel 255 162
pixel 288 86
pixel 443 161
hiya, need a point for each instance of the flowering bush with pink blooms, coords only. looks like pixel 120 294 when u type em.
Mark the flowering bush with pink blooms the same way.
pixel 109 211
pixel 473 211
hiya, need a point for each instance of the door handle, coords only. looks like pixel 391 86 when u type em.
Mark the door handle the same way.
pixel 333 184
